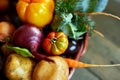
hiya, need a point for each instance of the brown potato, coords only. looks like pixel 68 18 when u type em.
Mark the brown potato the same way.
pixel 18 67
pixel 51 71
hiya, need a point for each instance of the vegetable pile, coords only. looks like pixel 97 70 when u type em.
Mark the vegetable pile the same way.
pixel 39 39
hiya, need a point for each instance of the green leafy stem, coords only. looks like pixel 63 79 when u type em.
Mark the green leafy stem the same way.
pixel 70 22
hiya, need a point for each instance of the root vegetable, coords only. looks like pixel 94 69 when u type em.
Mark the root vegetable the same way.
pixel 18 67
pixel 51 71
pixel 76 64
pixel 30 37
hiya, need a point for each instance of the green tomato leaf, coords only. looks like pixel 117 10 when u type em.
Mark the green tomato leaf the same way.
pixel 22 51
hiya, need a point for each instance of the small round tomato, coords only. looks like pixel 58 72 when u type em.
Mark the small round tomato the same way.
pixel 37 12
pixel 55 43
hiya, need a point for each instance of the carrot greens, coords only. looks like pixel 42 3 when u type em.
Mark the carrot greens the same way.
pixel 68 20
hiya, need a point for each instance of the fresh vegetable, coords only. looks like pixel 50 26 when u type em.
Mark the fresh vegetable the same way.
pixel 73 20
pixel 73 46
pixel 51 71
pixel 6 30
pixel 37 12
pixel 68 20
pixel 55 43
pixel 18 67
pixel 30 37
pixel 76 64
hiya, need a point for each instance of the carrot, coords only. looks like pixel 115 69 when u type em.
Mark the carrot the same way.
pixel 76 64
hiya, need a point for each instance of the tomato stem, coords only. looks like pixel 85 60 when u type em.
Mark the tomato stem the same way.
pixel 53 40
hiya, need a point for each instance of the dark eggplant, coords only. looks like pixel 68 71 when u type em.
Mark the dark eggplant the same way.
pixel 73 46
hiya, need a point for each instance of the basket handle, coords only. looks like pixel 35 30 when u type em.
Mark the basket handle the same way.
pixel 100 13
pixel 105 14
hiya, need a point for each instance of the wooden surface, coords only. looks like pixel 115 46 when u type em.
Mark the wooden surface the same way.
pixel 103 50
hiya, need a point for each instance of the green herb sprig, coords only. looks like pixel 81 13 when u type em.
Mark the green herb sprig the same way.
pixel 69 21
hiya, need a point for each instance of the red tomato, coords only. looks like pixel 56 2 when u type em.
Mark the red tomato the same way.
pixel 56 43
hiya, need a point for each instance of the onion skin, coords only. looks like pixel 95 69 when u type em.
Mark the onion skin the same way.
pixel 30 37
pixel 26 35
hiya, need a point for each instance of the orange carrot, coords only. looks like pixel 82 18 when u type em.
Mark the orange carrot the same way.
pixel 76 64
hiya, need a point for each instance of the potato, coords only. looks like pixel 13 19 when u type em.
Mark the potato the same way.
pixel 18 67
pixel 51 71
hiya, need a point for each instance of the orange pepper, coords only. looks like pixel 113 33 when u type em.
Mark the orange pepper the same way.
pixel 37 12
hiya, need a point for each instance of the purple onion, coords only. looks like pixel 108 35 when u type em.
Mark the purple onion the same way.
pixel 30 37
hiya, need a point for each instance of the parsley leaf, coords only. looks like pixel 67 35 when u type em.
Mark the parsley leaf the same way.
pixel 68 20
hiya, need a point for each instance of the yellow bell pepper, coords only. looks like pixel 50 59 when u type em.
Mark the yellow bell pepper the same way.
pixel 36 12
